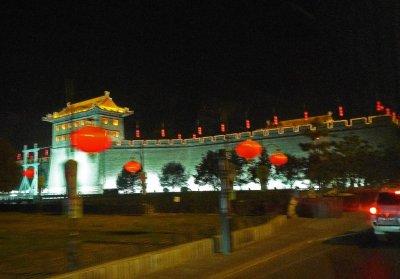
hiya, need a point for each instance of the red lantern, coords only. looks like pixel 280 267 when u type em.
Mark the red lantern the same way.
pixel 341 111
pixel 379 106
pixel 46 152
pixel 90 139
pixel 194 136
pixel 278 158
pixel 200 130
pixel 248 149
pixel 29 173
pixel 163 133
pixel 222 128
pixel 179 136
pixel 275 120
pixel 248 124
pixel 19 156
pixel 387 111
pixel 305 115
pixel 132 166
pixel 137 133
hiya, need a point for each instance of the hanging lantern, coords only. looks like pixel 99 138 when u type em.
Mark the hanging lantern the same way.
pixel 248 149
pixel 306 115
pixel 199 130
pixel 19 156
pixel 163 133
pixel 46 152
pixel 341 111
pixel 132 166
pixel 29 173
pixel 179 136
pixel 137 133
pixel 90 139
pixel 222 128
pixel 276 120
pixel 194 136
pixel 248 124
pixel 379 106
pixel 278 158
pixel 387 111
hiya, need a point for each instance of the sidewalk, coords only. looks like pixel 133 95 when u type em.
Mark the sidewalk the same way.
pixel 297 234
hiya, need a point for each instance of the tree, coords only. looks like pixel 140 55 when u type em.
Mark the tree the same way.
pixel 321 168
pixel 173 175
pixel 292 171
pixel 128 182
pixel 350 161
pixel 208 170
pixel 260 170
pixel 10 172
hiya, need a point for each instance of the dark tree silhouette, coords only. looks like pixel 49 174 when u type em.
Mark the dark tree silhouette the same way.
pixel 10 172
pixel 173 175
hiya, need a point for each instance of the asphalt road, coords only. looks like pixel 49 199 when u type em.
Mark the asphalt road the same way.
pixel 304 248
pixel 353 255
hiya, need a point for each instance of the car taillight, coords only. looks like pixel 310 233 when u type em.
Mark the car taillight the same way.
pixel 372 210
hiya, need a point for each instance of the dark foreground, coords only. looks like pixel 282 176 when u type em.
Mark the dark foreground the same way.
pixel 39 245
pixel 305 248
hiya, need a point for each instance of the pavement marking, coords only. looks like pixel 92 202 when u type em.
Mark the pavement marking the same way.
pixel 275 254
pixel 329 249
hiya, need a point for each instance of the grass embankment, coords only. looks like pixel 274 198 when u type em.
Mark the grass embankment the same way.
pixel 36 245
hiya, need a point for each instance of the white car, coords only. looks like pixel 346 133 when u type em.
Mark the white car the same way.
pixel 385 213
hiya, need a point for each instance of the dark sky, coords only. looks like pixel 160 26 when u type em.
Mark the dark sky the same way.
pixel 183 62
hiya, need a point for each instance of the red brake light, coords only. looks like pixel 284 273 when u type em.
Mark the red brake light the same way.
pixel 372 210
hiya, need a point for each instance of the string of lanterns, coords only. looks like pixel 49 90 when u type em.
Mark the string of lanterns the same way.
pixel 275 121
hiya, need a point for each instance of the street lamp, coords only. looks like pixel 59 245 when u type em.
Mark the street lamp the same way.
pixel 248 149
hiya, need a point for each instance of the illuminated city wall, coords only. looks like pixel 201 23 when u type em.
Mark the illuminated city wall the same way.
pixel 98 172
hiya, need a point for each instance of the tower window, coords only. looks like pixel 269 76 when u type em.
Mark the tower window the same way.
pixel 115 122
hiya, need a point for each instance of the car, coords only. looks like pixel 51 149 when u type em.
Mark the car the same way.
pixel 385 213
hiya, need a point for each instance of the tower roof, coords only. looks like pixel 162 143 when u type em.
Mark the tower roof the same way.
pixel 104 102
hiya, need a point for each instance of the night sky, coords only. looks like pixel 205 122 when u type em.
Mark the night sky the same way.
pixel 186 62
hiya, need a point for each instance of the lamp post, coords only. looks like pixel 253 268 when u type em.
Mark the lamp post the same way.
pixel 90 139
pixel 224 169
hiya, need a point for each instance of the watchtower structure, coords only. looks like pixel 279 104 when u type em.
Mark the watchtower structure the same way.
pixel 100 111
pixel 30 187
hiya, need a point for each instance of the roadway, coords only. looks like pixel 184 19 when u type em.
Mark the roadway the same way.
pixel 304 248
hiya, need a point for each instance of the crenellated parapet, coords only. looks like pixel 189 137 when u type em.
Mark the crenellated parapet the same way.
pixel 267 133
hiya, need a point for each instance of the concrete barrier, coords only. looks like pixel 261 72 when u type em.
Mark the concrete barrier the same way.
pixel 170 257
pixel 241 238
pixel 145 263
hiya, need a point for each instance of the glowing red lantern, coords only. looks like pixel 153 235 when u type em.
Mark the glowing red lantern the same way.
pixel 179 136
pixel 387 111
pixel 132 166
pixel 29 173
pixel 194 136
pixel 275 120
pixel 248 124
pixel 341 111
pixel 248 149
pixel 19 156
pixel 137 133
pixel 278 158
pixel 46 152
pixel 200 130
pixel 379 106
pixel 163 133
pixel 305 115
pixel 222 128
pixel 90 139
